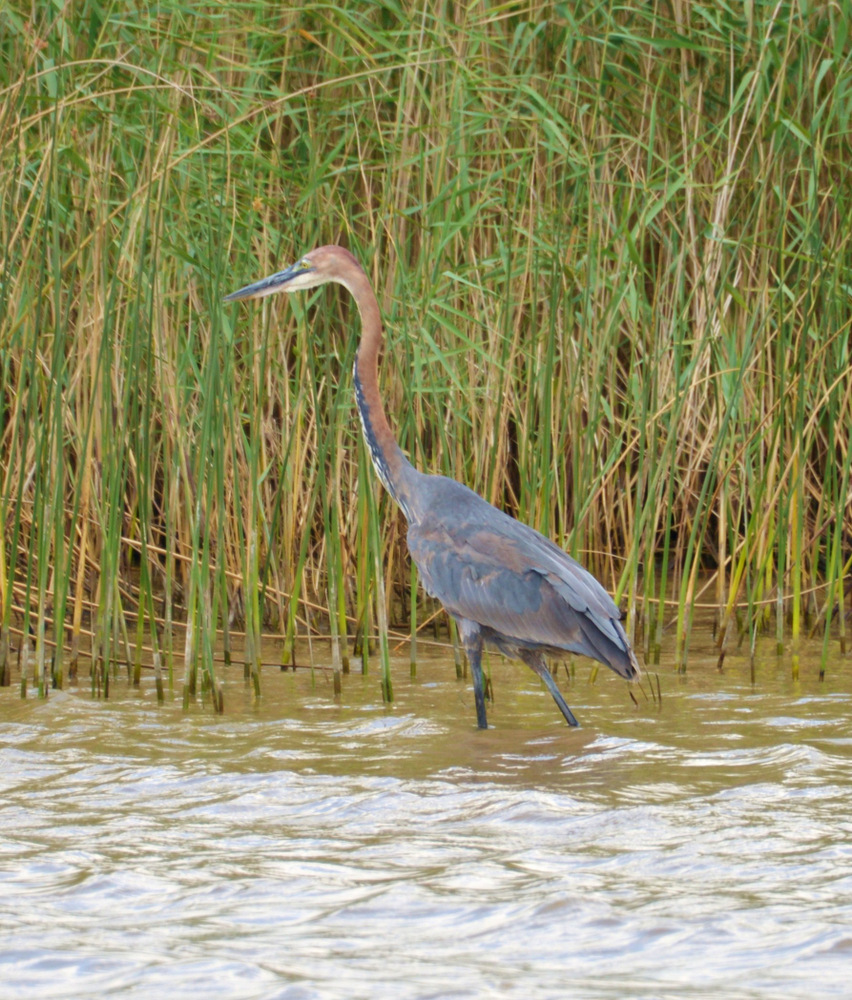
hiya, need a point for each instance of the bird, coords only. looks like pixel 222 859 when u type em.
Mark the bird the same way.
pixel 506 585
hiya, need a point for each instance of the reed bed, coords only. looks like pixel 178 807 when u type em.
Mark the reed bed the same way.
pixel 612 247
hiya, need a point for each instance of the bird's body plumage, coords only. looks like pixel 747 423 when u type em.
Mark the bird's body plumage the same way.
pixel 486 566
pixel 505 584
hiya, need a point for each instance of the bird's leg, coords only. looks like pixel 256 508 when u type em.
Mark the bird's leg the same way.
pixel 471 637
pixel 535 660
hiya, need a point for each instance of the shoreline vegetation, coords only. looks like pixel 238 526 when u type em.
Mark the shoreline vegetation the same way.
pixel 612 244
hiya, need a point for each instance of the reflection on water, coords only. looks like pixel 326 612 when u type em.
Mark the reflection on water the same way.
pixel 300 849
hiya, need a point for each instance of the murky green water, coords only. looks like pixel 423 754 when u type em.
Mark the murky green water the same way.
pixel 301 849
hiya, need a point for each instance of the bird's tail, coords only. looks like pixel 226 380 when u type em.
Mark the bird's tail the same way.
pixel 634 664
pixel 618 655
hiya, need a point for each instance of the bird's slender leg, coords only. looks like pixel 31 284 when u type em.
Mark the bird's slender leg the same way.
pixel 471 637
pixel 535 660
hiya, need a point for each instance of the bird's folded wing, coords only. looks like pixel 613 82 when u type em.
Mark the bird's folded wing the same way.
pixel 509 578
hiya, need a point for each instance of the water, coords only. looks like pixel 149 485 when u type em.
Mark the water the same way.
pixel 300 849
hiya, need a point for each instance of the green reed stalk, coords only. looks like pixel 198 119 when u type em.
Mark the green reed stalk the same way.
pixel 363 568
pixel 375 545
pixel 329 492
pixel 335 581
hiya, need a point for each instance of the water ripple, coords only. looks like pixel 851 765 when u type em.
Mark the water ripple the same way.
pixel 296 853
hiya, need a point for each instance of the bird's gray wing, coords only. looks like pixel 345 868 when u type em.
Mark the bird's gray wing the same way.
pixel 504 575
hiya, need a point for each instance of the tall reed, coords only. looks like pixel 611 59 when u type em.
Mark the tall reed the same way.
pixel 612 246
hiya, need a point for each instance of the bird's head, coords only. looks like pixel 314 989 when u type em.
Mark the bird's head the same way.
pixel 331 263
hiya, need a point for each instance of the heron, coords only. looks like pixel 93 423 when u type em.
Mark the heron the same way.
pixel 505 584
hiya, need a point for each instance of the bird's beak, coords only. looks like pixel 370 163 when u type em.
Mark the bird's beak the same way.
pixel 274 283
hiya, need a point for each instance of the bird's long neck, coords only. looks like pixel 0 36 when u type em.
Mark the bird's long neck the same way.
pixel 391 465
